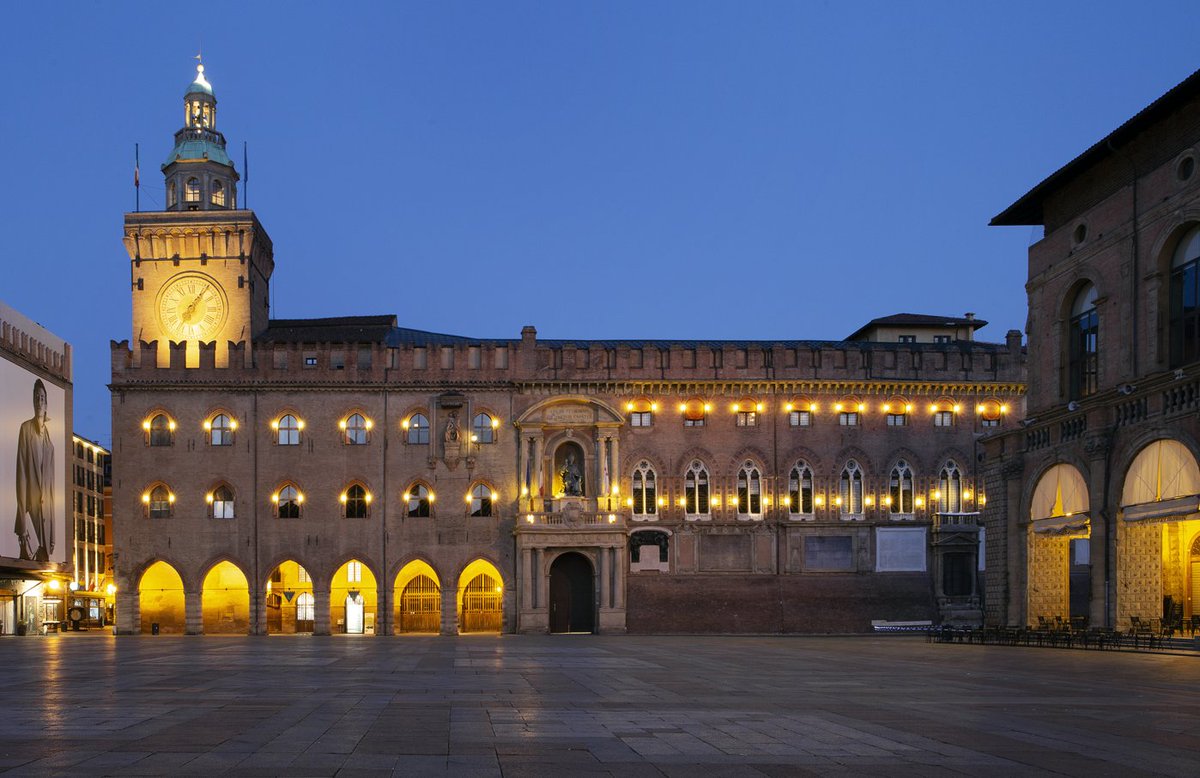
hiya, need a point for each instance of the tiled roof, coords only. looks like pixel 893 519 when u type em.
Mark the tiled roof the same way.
pixel 916 320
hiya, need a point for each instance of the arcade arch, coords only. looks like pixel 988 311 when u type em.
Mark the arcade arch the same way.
pixel 290 604
pixel 161 600
pixel 225 601
pixel 480 598
pixel 418 597
pixel 353 599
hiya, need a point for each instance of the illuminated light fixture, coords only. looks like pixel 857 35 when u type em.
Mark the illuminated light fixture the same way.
pixel 529 518
pixel 767 501
pixel 299 424
pixel 937 495
pixel 616 490
pixel 342 497
pixel 495 497
pixel 146 425
pixel 654 407
pixel 933 407
pixel 759 407
pixel 956 408
pixel 662 502
pixel 499 589
pixel 733 502
pixel 920 502
pixel 275 497
pixel 468 498
pixel 789 407
pixel 207 425
pixel 837 501
pixel 681 502
pixel 367 497
pixel 629 502
pixel 146 498
pixel 171 497
pixel 982 500
pixel 495 423
pixel 629 406
pixel 887 501
pixel 682 408
pixel 820 500
pixel 787 500
pixel 404 424
pixel 54 584
pixel 404 497
pixel 887 407
pixel 908 408
pixel 111 589
pixel 208 498
pixel 837 407
pixel 368 424
pixel 862 406
pixel 342 424
pixel 73 586
pixel 869 501
pixel 432 497
pixel 979 408
pixel 233 424
pixel 299 497
pixel 474 438
pixel 524 490
pixel 707 407
pixel 1004 409
pixel 275 424
pixel 715 502
pixel 612 519
pixel 812 407
pixel 966 494
pixel 736 407
pixel 171 426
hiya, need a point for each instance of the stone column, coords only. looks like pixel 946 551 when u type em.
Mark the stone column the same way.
pixel 622 568
pixel 320 609
pixel 450 610
pixel 603 568
pixel 128 606
pixel 193 615
pixel 526 579
pixel 383 608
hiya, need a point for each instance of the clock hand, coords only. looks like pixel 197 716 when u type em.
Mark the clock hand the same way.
pixel 187 313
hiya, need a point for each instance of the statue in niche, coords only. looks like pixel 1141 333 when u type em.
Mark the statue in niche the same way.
pixel 572 477
pixel 451 433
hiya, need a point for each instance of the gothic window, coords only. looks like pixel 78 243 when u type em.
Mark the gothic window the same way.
pixel 644 490
pixel 1185 300
pixel 355 501
pixel 220 430
pixel 749 490
pixel 159 502
pixel 418 501
pixel 1083 335
pixel 218 193
pixel 950 488
pixel 695 490
pixel 162 430
pixel 288 430
pixel 850 489
pixel 418 429
pixel 481 500
pixel 288 501
pixel 222 502
pixel 191 191
pixel 800 490
pixel 483 428
pixel 356 428
pixel 900 489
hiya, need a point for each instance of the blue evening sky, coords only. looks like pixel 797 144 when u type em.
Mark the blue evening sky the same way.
pixel 756 170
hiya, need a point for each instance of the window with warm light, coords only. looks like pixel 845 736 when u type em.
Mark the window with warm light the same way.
pixel 749 490
pixel 800 418
pixel 418 501
pixel 222 502
pixel 354 572
pixel 694 413
pixel 848 418
pixel 800 490
pixel 641 412
pixel 287 430
pixel 161 429
pixel 695 490
pixel 356 430
pixel 287 502
pixel 159 502
pixel 900 489
pixel 1184 302
pixel 1083 339
pixel 356 501
pixel 220 430
pixel 417 426
pixel 896 412
pixel 746 411
pixel 218 193
pixel 481 500
pixel 306 605
pixel 645 492
pixel 172 194
pixel 990 413
pixel 483 429
pixel 191 190
pixel 850 489
pixel 950 488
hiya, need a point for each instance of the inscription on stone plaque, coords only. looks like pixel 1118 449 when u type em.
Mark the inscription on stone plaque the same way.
pixel 569 415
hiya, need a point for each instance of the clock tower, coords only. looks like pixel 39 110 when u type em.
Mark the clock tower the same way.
pixel 201 268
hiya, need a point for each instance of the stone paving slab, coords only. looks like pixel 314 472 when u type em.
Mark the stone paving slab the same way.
pixel 629 706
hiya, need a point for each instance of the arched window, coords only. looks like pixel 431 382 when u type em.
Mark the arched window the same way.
pixel 900 489
pixel 288 430
pixel 419 501
pixel 483 428
pixel 288 501
pixel 950 488
pixel 191 191
pixel 897 410
pixel 800 490
pixel 172 194
pixel 848 411
pixel 1083 335
pixel 355 501
pixel 162 430
pixel 746 412
pixel 159 502
pixel 850 489
pixel 418 429
pixel 749 490
pixel 990 413
pixel 641 412
pixel 695 489
pixel 1185 300
pixel 481 500
pixel 645 492
pixel 695 411
pixel 356 427
pixel 222 502
pixel 306 606
pixel 220 430
pixel 218 193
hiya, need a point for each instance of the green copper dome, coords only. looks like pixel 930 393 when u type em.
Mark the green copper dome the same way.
pixel 200 85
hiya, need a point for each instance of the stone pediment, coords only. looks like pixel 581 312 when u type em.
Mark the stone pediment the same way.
pixel 571 411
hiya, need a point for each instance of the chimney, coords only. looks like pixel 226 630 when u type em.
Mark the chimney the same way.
pixel 1012 339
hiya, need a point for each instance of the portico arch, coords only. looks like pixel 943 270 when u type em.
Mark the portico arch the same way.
pixel 290 604
pixel 161 600
pixel 418 598
pixel 353 599
pixel 480 598
pixel 225 601
pixel 1058 572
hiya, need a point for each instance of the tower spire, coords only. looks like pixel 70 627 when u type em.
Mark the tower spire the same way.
pixel 200 175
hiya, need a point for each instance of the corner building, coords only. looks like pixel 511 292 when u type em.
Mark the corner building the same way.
pixel 352 475
pixel 1093 513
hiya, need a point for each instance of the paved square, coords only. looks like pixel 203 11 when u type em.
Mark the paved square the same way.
pixel 513 706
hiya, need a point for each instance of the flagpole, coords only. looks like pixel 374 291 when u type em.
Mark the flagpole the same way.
pixel 137 184
pixel 245 178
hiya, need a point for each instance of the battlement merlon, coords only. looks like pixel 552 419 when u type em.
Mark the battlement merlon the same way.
pixel 174 235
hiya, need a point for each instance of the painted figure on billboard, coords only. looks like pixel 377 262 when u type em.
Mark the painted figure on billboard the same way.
pixel 35 481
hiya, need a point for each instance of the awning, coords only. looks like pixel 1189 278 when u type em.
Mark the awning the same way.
pixel 1179 508
pixel 1060 492
pixel 1077 524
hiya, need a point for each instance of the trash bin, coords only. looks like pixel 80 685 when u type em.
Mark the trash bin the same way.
pixel 154 628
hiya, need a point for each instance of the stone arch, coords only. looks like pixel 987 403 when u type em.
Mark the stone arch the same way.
pixel 480 596
pixel 796 453
pixel 1163 479
pixel 749 452
pixel 162 597
pixel 913 459
pixel 353 596
pixel 865 461
pixel 603 411
pixel 285 611
pixel 225 598
pixel 417 600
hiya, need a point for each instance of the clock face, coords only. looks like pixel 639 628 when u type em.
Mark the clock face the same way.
pixel 192 307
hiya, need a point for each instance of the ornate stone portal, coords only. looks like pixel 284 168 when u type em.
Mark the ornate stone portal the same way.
pixel 568 454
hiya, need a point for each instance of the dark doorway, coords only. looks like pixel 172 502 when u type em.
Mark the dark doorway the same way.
pixel 572 595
